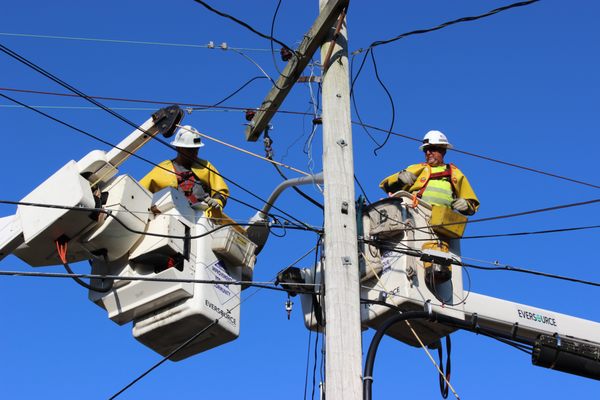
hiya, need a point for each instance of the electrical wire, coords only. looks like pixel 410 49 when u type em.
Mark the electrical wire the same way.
pixel 198 46
pixel 353 95
pixel 495 160
pixel 242 23
pixel 168 356
pixel 419 254
pixel 446 24
pixel 61 250
pixel 292 112
pixel 267 159
pixel 271 34
pixel 37 68
pixel 387 92
pixel 511 234
pixel 72 275
pixel 192 105
pixel 154 164
pixel 109 213
pixel 249 81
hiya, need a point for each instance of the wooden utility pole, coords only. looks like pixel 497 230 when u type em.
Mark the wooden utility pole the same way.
pixel 343 356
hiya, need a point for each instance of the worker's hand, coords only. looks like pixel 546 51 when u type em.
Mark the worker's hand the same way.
pixel 407 178
pixel 211 202
pixel 462 205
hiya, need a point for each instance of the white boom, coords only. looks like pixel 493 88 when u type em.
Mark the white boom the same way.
pixel 105 218
pixel 405 266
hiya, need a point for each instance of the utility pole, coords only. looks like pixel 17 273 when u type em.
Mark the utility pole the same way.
pixel 343 357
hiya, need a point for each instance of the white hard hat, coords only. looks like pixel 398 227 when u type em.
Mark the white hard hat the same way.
pixel 435 138
pixel 187 136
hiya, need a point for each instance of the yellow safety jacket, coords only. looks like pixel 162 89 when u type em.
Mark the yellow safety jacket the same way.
pixel 160 177
pixel 460 184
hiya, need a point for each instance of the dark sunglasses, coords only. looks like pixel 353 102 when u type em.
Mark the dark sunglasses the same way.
pixel 434 149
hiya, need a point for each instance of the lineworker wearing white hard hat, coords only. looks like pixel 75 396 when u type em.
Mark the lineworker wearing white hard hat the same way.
pixel 434 181
pixel 198 179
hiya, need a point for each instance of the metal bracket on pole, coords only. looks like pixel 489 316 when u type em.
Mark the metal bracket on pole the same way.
pixel 310 44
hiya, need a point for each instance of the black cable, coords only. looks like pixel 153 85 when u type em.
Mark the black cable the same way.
pixel 86 285
pixel 315 366
pixel 353 95
pixel 271 34
pixel 370 359
pixel 387 92
pixel 417 253
pixel 242 23
pixel 152 163
pixel 531 272
pixel 445 24
pixel 578 228
pixel 269 155
pixel 509 164
pixel 119 116
pixel 109 213
pixel 72 275
pixel 444 383
pixel 362 189
pixel 168 356
pixel 518 214
pixel 64 84
pixel 524 348
pixel 498 235
pixel 154 101
pixel 230 95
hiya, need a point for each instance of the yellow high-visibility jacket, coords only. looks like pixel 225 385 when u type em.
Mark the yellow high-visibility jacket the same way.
pixel 160 177
pixel 460 184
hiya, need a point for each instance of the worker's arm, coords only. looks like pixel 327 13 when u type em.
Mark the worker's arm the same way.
pixel 218 188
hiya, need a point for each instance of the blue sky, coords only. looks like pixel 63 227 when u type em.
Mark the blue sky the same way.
pixel 521 86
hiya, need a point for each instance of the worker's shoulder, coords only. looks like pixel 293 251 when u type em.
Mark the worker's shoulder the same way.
pixel 164 164
pixel 201 163
pixel 417 166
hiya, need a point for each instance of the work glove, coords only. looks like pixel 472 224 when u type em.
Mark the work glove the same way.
pixel 462 205
pixel 211 202
pixel 407 178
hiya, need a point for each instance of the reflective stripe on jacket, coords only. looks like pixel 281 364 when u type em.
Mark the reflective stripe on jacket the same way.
pixel 438 191
pixel 160 177
pixel 460 184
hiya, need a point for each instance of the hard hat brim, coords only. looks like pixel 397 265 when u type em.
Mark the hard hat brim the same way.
pixel 187 146
pixel 446 146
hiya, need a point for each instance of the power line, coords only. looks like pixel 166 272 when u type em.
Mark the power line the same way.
pixel 87 39
pixel 542 232
pixel 419 254
pixel 242 23
pixel 271 34
pixel 262 285
pixel 168 356
pixel 249 81
pixel 156 165
pixel 197 105
pixel 446 24
pixel 387 92
pixel 514 165
pixel 526 233
pixel 359 123
pixel 109 213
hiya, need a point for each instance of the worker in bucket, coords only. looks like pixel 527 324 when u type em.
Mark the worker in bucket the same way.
pixel 434 181
pixel 198 179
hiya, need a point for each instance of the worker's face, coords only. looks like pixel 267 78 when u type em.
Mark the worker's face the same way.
pixel 434 155
pixel 187 155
